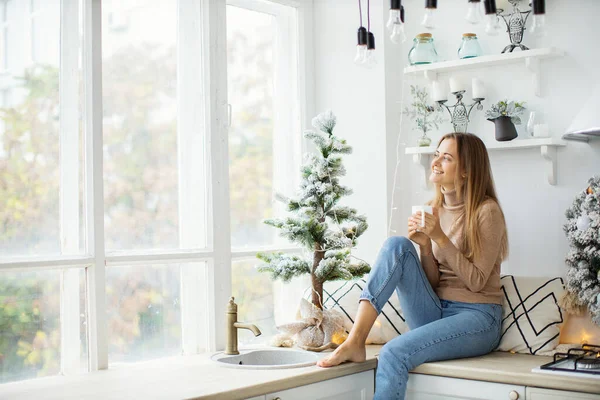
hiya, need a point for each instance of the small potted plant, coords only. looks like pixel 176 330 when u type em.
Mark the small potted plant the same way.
pixel 423 114
pixel 505 115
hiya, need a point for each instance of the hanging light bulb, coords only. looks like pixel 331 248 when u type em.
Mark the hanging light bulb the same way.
pixel 394 15
pixel 538 26
pixel 398 35
pixel 395 23
pixel 430 11
pixel 361 46
pixel 492 25
pixel 474 12
pixel 370 61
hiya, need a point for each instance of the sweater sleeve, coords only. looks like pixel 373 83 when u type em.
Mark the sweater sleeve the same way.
pixel 475 274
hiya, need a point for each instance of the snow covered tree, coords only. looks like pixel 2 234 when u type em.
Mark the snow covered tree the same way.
pixel 318 223
pixel 583 232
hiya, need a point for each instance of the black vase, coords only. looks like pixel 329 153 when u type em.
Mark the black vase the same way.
pixel 505 129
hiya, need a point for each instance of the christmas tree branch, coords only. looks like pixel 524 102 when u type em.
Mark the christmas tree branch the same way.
pixel 283 266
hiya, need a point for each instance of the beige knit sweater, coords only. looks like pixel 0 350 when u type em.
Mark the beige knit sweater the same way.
pixel 451 274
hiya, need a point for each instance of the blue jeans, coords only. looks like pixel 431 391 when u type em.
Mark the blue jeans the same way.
pixel 439 329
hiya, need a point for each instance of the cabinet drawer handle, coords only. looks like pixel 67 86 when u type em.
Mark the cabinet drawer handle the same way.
pixel 513 395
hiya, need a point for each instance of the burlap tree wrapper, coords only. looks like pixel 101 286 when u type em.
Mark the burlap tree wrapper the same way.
pixel 314 330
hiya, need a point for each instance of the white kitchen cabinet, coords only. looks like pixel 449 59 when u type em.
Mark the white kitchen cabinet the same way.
pixel 429 387
pixel 534 393
pixel 359 386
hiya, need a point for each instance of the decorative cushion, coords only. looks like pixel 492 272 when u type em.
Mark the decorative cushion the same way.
pixel 531 316
pixel 344 296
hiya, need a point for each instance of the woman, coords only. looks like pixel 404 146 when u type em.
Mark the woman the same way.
pixel 451 297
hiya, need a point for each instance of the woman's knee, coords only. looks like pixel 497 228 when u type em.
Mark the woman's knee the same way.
pixel 399 244
pixel 395 356
pixel 391 354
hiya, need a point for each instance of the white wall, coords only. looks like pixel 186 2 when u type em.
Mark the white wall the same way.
pixel 355 95
pixel 534 209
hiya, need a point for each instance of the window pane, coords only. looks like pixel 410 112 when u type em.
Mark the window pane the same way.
pixel 30 328
pixel 253 292
pixel 140 124
pixel 83 316
pixel 31 133
pixel 144 317
pixel 43 26
pixel 251 38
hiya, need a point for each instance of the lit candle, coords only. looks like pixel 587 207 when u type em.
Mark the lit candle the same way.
pixel 478 89
pixel 503 4
pixel 456 85
pixel 439 91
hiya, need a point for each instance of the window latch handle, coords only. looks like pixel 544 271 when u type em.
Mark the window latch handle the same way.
pixel 229 115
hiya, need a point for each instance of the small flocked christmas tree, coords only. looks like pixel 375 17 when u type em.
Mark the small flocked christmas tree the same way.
pixel 583 232
pixel 318 223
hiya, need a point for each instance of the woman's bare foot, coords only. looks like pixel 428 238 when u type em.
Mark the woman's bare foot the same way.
pixel 346 352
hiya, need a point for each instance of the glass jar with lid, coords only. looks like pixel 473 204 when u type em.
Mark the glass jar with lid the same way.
pixel 423 50
pixel 469 47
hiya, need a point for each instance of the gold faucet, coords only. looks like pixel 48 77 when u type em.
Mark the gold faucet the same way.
pixel 233 326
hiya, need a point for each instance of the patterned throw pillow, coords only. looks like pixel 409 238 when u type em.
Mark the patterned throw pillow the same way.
pixel 344 296
pixel 531 317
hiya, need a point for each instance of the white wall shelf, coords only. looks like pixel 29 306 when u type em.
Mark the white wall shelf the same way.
pixel 422 155
pixel 530 58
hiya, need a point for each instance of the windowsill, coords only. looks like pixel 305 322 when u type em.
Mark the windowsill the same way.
pixel 182 377
pixel 194 377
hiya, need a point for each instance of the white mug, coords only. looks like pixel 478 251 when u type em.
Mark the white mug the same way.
pixel 423 209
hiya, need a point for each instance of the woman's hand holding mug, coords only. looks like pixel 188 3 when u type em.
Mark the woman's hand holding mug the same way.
pixel 416 223
pixel 418 237
pixel 430 226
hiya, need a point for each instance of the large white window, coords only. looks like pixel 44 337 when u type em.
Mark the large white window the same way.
pixel 264 142
pixel 43 297
pixel 137 162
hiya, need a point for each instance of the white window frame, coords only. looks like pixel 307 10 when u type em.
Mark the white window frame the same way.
pixel 201 331
pixel 288 149
pixel 4 27
pixel 287 138
pixel 69 183
pixel 292 79
pixel 28 35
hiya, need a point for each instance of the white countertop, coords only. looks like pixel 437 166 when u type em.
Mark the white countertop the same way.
pixel 503 367
pixel 185 377
pixel 195 377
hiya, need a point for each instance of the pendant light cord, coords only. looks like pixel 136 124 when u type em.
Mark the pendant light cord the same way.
pixel 368 16
pixel 360 12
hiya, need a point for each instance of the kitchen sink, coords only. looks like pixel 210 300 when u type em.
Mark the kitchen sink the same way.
pixel 275 358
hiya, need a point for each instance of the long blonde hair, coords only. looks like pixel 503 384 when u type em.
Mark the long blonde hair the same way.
pixel 474 189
